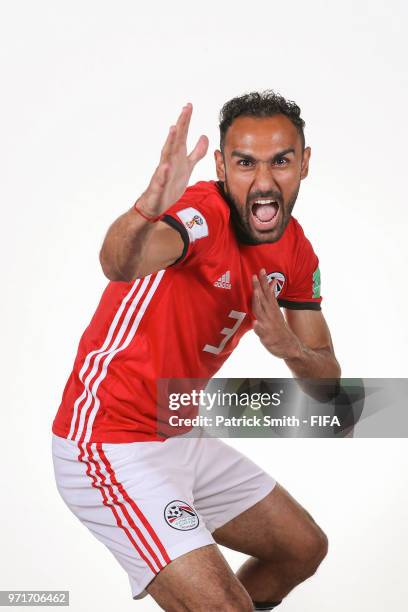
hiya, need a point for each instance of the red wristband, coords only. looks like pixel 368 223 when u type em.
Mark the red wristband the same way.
pixel 150 219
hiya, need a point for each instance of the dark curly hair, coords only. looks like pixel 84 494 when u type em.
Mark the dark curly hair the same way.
pixel 259 104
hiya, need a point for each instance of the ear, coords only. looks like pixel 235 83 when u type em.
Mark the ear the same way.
pixel 219 165
pixel 304 171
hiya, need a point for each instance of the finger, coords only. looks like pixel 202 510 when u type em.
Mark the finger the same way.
pixel 199 150
pixel 257 310
pixel 168 145
pixel 269 289
pixel 265 291
pixel 257 327
pixel 274 300
pixel 258 299
pixel 265 285
pixel 182 125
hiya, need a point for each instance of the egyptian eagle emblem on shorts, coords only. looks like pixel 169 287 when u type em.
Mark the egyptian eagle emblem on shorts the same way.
pixel 180 515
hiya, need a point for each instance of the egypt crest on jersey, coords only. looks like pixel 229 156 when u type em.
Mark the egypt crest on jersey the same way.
pixel 280 281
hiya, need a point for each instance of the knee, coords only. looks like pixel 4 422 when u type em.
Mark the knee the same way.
pixel 321 546
pixel 313 552
pixel 231 600
pixel 217 600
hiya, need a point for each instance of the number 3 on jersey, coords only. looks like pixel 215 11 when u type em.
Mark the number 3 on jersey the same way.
pixel 228 332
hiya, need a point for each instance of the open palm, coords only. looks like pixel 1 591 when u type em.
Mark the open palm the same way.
pixel 171 176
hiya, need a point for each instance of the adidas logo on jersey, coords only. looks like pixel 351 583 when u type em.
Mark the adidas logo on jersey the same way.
pixel 223 281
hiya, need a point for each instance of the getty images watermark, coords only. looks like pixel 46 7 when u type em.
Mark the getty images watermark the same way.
pixel 253 401
pixel 282 407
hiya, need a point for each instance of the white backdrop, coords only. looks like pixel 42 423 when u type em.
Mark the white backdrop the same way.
pixel 89 90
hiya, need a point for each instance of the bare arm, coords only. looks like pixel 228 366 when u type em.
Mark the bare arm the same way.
pixel 314 356
pixel 133 246
pixel 303 340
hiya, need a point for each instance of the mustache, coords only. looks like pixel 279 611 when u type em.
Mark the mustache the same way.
pixel 270 195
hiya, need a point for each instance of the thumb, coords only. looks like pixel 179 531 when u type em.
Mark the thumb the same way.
pixel 199 150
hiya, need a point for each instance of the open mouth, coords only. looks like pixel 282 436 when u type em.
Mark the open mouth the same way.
pixel 265 213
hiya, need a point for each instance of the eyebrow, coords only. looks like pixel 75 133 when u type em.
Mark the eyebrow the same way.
pixel 237 153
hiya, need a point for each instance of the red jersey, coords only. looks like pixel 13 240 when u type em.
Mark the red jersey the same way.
pixel 181 322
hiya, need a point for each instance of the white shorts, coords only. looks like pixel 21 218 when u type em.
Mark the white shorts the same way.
pixel 150 502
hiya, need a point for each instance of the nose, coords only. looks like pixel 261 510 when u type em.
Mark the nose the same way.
pixel 264 179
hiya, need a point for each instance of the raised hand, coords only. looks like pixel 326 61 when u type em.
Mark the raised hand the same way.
pixel 171 176
pixel 270 324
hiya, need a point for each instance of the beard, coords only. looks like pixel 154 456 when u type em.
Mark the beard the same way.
pixel 240 215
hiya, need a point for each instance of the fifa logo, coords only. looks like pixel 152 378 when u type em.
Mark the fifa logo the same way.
pixel 195 220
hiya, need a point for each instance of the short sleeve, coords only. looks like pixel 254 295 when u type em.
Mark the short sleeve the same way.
pixel 303 289
pixel 200 219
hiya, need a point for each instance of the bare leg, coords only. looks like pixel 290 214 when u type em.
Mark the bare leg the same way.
pixel 285 543
pixel 199 581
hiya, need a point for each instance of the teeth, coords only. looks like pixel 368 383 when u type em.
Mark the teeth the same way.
pixel 265 202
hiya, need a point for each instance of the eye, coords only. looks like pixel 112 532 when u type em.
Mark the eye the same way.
pixel 281 161
pixel 245 163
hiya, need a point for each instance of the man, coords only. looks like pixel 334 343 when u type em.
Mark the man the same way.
pixel 191 270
